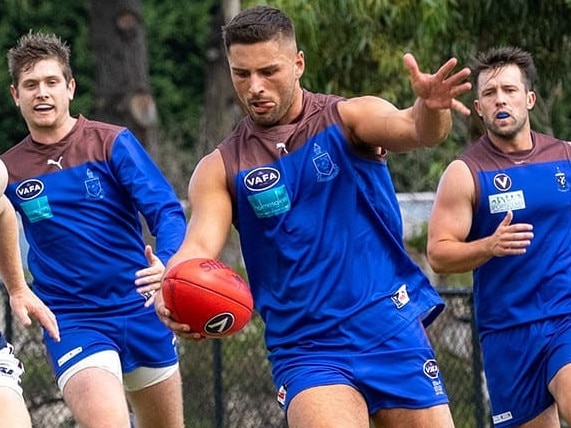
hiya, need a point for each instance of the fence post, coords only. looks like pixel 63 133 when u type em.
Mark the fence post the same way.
pixel 218 386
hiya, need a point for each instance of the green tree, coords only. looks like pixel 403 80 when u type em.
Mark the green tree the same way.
pixel 356 46
pixel 18 17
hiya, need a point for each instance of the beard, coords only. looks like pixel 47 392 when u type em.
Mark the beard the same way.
pixel 506 132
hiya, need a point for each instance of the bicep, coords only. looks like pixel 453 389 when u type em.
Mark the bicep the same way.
pixel 452 212
pixel 376 122
pixel 3 178
pixel 210 209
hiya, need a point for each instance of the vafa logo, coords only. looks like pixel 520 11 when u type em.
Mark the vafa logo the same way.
pixel 29 189
pixel 261 178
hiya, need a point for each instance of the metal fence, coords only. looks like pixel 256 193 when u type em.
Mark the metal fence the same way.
pixel 227 383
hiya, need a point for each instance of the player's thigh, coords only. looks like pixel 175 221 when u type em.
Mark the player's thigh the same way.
pixel 436 416
pixel 328 406
pixel 13 410
pixel 159 402
pixel 96 398
pixel 549 418
pixel 560 387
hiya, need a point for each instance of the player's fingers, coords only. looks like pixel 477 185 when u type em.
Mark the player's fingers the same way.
pixel 48 320
pixel 149 298
pixel 153 278
pixel 410 63
pixel 507 219
pixel 447 68
pixel 459 78
pixel 149 254
pixel 23 317
pixel 51 325
pixel 460 107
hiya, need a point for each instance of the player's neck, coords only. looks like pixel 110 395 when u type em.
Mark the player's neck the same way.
pixel 52 134
pixel 519 142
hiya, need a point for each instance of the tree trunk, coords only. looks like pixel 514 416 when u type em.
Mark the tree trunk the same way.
pixel 221 112
pixel 123 93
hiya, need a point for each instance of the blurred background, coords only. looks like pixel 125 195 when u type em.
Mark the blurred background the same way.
pixel 158 67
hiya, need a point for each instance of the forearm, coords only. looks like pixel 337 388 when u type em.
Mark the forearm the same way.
pixel 432 125
pixel 11 268
pixel 446 257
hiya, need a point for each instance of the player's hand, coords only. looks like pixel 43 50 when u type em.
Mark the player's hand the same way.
pixel 148 280
pixel 181 330
pixel 25 303
pixel 511 239
pixel 440 90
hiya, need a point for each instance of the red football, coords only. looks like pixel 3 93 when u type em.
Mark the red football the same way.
pixel 209 296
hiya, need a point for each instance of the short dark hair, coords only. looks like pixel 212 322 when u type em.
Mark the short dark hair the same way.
pixel 499 57
pixel 257 24
pixel 34 47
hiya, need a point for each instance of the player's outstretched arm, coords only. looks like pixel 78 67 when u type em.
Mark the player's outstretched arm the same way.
pixel 207 231
pixel 440 90
pixel 376 122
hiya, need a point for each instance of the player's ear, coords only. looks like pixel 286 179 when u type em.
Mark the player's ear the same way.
pixel 477 107
pixel 531 98
pixel 299 64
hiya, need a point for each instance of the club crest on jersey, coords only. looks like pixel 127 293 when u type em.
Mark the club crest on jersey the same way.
pixel 261 179
pixel 29 189
pixel 323 164
pixel 93 186
pixel 502 182
pixel 561 179
pixel 401 297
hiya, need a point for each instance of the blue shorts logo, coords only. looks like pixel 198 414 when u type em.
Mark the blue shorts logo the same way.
pixel 430 369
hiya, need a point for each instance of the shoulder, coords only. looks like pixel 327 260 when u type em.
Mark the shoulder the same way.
pixel 360 105
pixel 3 177
pixel 103 130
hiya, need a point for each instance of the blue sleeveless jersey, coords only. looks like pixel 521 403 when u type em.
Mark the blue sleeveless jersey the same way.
pixel 514 290
pixel 321 234
pixel 80 201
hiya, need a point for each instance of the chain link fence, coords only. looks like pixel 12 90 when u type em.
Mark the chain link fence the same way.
pixel 227 382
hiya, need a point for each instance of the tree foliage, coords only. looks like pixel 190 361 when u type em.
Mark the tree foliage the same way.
pixel 355 47
pixel 176 35
pixel 18 17
pixel 352 47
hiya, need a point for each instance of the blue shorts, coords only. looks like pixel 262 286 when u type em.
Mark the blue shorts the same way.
pixel 519 364
pixel 140 339
pixel 400 373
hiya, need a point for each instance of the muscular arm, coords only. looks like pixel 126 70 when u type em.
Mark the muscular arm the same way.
pixel 208 227
pixel 450 223
pixel 376 122
pixel 211 211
